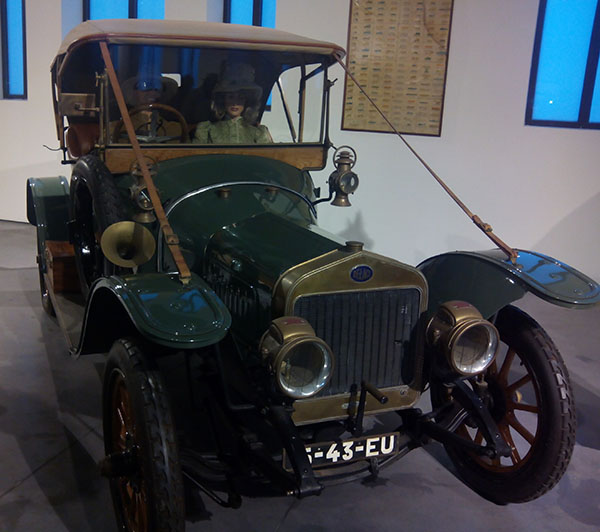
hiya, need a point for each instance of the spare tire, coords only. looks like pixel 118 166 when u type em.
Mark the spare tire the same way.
pixel 96 204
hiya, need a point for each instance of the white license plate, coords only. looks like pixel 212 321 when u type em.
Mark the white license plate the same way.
pixel 345 451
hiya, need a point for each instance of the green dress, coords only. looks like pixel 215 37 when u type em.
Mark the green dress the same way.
pixel 231 131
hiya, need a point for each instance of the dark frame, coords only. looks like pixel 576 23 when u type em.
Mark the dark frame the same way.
pixel 133 9
pixel 583 121
pixel 347 82
pixel 6 94
pixel 257 7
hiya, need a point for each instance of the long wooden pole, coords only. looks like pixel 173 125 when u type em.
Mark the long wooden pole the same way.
pixel 486 228
pixel 170 237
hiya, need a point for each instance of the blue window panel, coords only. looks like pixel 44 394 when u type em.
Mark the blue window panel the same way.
pixel 149 71
pixel 563 59
pixel 241 12
pixel 268 21
pixel 595 110
pixel 109 9
pixel 16 51
pixel 154 9
pixel 268 13
pixel 190 65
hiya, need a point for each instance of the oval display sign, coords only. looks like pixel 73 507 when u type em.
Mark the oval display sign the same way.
pixel 361 273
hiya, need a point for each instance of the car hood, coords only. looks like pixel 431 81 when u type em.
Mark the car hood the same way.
pixel 261 248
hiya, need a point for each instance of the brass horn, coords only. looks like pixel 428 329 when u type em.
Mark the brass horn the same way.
pixel 127 244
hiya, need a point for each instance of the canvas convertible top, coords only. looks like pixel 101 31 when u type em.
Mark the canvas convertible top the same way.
pixel 192 33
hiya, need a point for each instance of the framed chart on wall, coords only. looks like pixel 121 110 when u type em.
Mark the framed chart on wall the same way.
pixel 398 51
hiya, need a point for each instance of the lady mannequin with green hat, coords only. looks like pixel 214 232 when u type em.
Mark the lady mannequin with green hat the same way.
pixel 235 98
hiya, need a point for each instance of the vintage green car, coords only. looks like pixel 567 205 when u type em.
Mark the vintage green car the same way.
pixel 250 351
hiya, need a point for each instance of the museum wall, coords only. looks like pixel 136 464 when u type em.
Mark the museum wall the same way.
pixel 538 187
pixel 29 124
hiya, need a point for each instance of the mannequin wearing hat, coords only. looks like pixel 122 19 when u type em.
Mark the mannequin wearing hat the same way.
pixel 235 98
pixel 150 120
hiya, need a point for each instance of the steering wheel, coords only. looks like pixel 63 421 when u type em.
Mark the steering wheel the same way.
pixel 154 125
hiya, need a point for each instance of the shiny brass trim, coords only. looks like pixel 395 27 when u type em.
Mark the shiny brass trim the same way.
pixel 285 335
pixel 287 328
pixel 330 273
pixel 339 406
pixel 451 320
pixel 224 192
pixel 354 245
pixel 288 278
pixel 128 244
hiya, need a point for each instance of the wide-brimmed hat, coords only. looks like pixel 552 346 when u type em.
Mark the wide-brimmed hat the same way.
pixel 167 87
pixel 237 77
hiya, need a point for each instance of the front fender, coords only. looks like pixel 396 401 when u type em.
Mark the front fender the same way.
pixel 157 307
pixel 490 281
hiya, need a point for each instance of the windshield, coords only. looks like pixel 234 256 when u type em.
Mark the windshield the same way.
pixel 207 96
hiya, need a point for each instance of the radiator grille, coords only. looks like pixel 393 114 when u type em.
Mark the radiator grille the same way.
pixel 369 332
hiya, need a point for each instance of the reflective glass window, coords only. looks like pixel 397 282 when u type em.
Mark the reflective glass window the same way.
pixel 14 75
pixel 563 87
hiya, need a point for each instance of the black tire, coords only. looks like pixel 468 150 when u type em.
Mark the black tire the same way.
pixel 531 399
pixel 96 204
pixel 137 418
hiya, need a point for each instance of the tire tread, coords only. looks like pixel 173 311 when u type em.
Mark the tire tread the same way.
pixel 558 421
pixel 167 483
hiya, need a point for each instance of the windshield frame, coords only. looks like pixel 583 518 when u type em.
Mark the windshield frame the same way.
pixel 86 101
pixel 76 107
pixel 270 86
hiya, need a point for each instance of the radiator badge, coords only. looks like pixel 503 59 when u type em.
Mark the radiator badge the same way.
pixel 361 273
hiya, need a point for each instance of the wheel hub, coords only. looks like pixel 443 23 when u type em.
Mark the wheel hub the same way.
pixel 495 398
pixel 120 464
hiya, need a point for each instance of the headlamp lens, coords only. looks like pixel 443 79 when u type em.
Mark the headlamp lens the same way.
pixel 473 348
pixel 304 367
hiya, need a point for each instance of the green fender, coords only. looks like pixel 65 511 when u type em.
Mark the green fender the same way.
pixel 48 210
pixel 156 306
pixel 490 281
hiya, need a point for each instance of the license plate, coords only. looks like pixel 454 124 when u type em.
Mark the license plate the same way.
pixel 345 451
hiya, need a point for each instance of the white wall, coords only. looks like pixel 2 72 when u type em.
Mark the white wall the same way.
pixel 538 187
pixel 28 124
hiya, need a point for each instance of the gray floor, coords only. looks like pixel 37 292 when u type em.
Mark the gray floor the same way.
pixel 50 440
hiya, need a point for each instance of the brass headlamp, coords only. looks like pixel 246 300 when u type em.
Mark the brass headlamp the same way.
pixel 468 341
pixel 300 362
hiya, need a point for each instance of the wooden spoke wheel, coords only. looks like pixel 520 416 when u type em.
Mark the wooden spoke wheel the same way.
pixel 142 459
pixel 515 400
pixel 131 487
pixel 529 395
